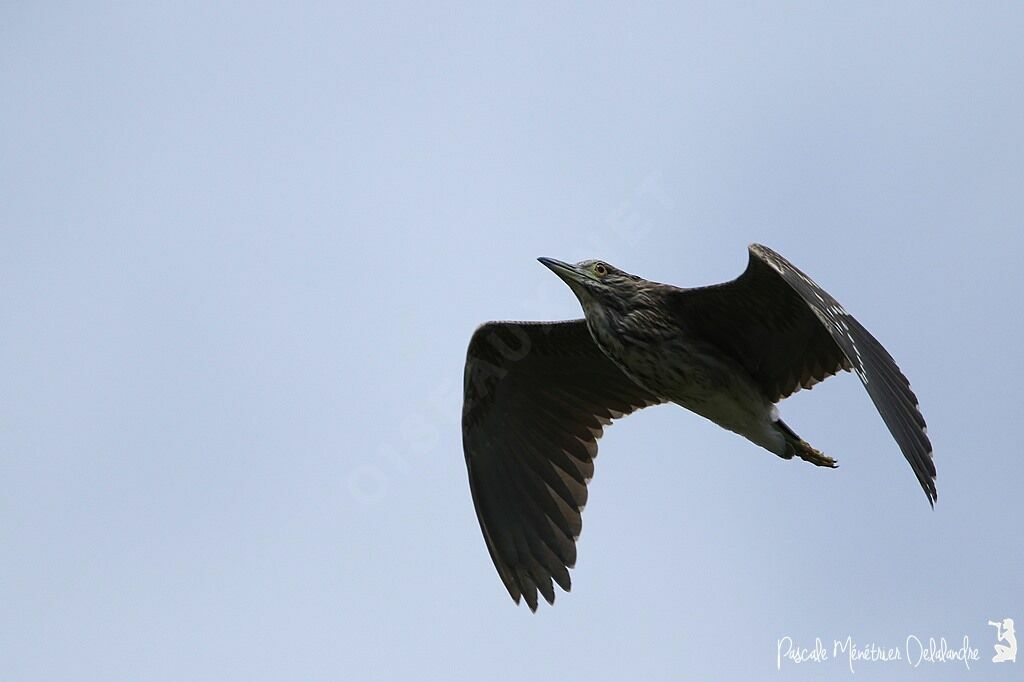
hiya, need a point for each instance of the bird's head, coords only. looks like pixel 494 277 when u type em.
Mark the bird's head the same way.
pixel 603 290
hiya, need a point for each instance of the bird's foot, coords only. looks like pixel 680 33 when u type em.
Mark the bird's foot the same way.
pixel 806 452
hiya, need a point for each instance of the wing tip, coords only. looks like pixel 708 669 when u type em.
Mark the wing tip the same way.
pixel 930 490
pixel 761 250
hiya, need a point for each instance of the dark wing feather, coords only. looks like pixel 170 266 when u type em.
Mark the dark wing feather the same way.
pixel 789 333
pixel 537 396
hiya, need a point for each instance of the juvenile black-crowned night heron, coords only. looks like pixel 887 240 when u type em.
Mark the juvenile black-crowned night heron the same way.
pixel 537 394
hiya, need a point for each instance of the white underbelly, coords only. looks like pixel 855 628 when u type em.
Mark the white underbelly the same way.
pixel 709 385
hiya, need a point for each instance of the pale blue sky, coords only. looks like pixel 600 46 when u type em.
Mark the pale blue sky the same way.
pixel 243 248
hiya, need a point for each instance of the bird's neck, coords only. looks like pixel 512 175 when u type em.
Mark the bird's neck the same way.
pixel 605 328
pixel 615 328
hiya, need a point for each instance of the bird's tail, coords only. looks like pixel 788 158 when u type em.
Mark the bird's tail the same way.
pixel 795 445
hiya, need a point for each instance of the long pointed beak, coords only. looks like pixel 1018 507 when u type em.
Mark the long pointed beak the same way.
pixel 567 272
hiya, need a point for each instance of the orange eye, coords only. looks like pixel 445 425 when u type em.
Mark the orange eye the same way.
pixel 600 269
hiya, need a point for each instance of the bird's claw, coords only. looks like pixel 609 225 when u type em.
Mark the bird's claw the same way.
pixel 816 457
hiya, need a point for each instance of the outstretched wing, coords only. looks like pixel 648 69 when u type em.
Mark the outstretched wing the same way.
pixel 789 333
pixel 537 396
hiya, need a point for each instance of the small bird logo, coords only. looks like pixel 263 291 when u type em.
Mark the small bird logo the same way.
pixel 1004 633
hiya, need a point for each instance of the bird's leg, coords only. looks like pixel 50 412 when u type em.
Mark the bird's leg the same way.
pixel 808 453
pixel 795 445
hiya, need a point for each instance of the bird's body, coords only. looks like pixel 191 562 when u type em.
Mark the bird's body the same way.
pixel 659 355
pixel 537 395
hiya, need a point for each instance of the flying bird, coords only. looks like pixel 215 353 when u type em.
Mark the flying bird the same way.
pixel 538 394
